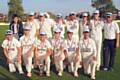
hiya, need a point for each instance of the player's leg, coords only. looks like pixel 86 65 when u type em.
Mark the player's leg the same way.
pixel 19 67
pixel 99 44
pixel 93 69
pixel 47 64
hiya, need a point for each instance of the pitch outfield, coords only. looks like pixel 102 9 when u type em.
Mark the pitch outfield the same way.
pixel 101 75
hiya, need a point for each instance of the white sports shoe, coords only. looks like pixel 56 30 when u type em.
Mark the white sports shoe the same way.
pixel 48 74
pixel 92 77
pixel 21 72
pixel 29 74
pixel 60 74
pixel 75 74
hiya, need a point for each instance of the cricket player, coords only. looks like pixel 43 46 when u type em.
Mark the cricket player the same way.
pixel 58 51
pixel 34 31
pixel 12 51
pixel 72 53
pixel 46 26
pixel 88 52
pixel 60 23
pixel 84 22
pixel 43 52
pixel 73 24
pixel 27 45
pixel 96 25
pixel 111 42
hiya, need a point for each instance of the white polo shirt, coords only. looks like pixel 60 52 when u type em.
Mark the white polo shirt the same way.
pixel 11 46
pixel 42 47
pixel 74 25
pixel 110 30
pixel 34 27
pixel 56 44
pixel 71 45
pixel 96 29
pixel 26 43
pixel 60 26
pixel 46 26
pixel 87 48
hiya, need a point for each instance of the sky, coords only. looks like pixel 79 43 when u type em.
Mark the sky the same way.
pixel 55 6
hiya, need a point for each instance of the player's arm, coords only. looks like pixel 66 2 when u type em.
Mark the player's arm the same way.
pixel 117 40
pixel 6 55
pixel 36 56
pixel 29 53
pixel 19 54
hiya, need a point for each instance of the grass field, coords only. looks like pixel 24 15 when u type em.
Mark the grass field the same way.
pixel 101 75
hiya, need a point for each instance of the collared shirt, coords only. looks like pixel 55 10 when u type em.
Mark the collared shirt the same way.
pixel 34 27
pixel 11 46
pixel 87 48
pixel 74 25
pixel 46 26
pixel 26 43
pixel 61 27
pixel 71 45
pixel 42 47
pixel 110 30
pixel 96 29
pixel 56 44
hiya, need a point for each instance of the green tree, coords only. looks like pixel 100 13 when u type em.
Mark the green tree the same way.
pixel 104 5
pixel 15 7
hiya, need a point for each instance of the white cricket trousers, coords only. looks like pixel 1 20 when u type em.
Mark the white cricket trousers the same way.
pixel 73 64
pixel 13 65
pixel 47 63
pixel 59 63
pixel 98 56
pixel 28 62
pixel 89 66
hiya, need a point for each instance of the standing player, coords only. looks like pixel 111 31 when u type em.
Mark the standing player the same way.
pixel 34 24
pixel 96 30
pixel 60 23
pixel 72 53
pixel 12 51
pixel 58 51
pixel 46 26
pixel 73 24
pixel 88 51
pixel 43 52
pixel 27 45
pixel 111 41
pixel 83 23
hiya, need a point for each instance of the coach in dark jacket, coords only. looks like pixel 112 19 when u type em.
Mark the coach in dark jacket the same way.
pixel 17 27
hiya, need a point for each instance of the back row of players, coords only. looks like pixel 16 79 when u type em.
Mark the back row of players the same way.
pixel 82 46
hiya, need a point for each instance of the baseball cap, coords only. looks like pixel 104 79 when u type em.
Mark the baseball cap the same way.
pixel 27 27
pixel 70 30
pixel 47 15
pixel 96 12
pixel 42 33
pixel 9 32
pixel 57 30
pixel 85 14
pixel 31 14
pixel 72 13
pixel 109 14
pixel 59 15
pixel 42 14
pixel 86 29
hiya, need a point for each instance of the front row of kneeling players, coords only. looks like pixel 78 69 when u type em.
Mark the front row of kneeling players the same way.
pixel 41 49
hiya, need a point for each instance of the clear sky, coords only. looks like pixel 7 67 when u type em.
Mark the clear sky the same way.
pixel 55 6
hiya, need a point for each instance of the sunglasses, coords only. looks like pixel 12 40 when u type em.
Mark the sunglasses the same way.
pixel 26 30
pixel 108 16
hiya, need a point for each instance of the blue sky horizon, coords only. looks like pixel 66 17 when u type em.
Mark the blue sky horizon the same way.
pixel 55 6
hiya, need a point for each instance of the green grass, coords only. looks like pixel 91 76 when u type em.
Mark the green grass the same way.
pixel 101 75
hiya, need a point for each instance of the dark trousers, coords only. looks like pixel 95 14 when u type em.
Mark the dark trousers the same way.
pixel 109 53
